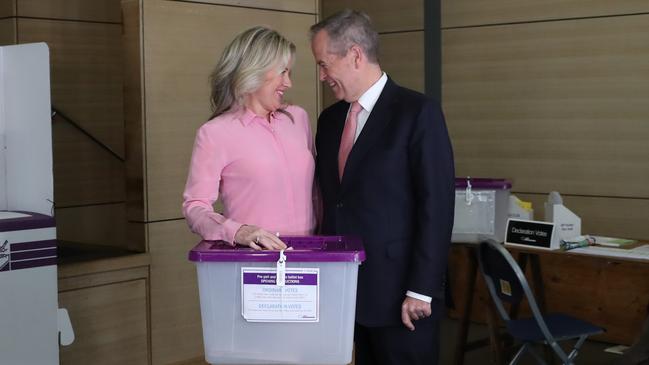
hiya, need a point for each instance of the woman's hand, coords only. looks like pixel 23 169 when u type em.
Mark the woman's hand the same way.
pixel 258 238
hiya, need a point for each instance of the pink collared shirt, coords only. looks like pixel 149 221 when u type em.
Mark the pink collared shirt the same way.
pixel 263 173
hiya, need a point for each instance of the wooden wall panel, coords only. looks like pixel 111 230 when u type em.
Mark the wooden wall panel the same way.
pixel 303 6
pixel 94 224
pixel 7 31
pixel 84 173
pixel 555 105
pixel 457 13
pixel 7 8
pixel 107 270
pixel 137 236
pixel 133 112
pixel 176 331
pixel 95 10
pixel 86 73
pixel 402 57
pixel 110 324
pixel 182 44
pixel 387 15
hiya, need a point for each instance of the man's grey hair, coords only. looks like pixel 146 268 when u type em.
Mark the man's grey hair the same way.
pixel 349 27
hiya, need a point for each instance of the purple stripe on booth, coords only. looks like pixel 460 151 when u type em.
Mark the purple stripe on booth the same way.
pixel 33 254
pixel 16 265
pixel 33 221
pixel 32 245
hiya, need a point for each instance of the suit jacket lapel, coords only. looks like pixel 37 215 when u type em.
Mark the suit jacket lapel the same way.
pixel 379 118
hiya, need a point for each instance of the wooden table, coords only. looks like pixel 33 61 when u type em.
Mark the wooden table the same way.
pixel 610 289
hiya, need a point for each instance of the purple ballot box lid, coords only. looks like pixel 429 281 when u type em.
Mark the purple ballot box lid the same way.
pixel 482 183
pixel 20 220
pixel 304 249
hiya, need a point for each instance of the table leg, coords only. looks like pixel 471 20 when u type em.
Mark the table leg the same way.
pixel 522 262
pixel 465 314
pixel 494 336
pixel 537 279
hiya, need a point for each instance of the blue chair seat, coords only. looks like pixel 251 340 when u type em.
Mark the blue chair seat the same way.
pixel 560 325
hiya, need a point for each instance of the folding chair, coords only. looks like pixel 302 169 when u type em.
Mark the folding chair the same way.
pixel 506 283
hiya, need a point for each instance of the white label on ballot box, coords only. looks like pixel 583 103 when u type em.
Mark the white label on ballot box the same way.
pixel 263 301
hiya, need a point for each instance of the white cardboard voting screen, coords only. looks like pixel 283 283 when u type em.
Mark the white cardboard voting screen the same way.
pixel 26 181
pixel 30 320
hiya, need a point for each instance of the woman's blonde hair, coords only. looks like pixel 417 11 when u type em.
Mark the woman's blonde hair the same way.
pixel 243 65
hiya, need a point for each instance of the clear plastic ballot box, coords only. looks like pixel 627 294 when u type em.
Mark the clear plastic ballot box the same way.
pixel 270 307
pixel 481 209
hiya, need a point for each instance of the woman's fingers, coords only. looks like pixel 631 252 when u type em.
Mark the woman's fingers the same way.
pixel 276 242
pixel 255 246
pixel 270 241
pixel 258 239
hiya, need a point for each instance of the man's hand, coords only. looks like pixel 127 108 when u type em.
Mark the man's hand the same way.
pixel 414 309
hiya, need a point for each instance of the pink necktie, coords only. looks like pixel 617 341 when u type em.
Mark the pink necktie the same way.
pixel 347 139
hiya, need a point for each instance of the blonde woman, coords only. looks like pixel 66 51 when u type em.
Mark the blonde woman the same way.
pixel 255 152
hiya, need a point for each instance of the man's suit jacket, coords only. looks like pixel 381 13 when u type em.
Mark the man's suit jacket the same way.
pixel 397 194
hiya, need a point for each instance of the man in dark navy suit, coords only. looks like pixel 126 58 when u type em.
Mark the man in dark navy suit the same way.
pixel 385 170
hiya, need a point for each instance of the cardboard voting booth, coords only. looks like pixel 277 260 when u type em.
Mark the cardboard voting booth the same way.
pixel 31 324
